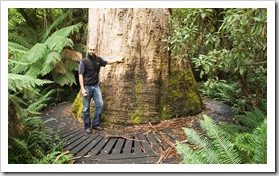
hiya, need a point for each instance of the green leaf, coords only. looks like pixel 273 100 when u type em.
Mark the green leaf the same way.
pixel 203 15
pixel 20 82
pixel 241 70
pixel 36 53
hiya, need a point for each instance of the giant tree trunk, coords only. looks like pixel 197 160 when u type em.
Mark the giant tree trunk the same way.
pixel 139 90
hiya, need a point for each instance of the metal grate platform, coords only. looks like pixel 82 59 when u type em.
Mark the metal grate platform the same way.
pixel 122 148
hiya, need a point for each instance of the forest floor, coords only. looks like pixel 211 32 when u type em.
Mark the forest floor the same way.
pixel 218 111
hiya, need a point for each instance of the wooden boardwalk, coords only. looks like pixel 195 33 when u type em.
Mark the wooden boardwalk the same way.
pixel 108 148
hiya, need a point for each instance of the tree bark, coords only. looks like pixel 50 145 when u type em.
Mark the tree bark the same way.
pixel 133 91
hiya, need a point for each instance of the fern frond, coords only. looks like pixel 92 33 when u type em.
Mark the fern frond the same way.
pixel 80 48
pixel 21 146
pixel 260 139
pixel 254 144
pixel 37 52
pixel 47 159
pixel 35 69
pixel 40 104
pixel 58 43
pixel 58 21
pixel 64 79
pixel 38 153
pixel 243 141
pixel 30 34
pixel 71 65
pixel 17 47
pixel 66 31
pixel 12 37
pixel 33 122
pixel 51 60
pixel 17 66
pixel 189 157
pixel 231 129
pixel 70 54
pixel 20 82
pixel 221 141
pixel 252 119
pixel 204 148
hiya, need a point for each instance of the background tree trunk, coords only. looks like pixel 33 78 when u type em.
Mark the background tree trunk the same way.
pixel 136 91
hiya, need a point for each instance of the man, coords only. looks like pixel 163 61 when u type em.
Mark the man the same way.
pixel 89 69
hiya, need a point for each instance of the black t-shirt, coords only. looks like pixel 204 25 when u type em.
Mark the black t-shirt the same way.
pixel 90 68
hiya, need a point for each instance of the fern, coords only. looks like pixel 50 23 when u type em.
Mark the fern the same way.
pixel 35 69
pixel 71 65
pixel 66 31
pixel 204 148
pixel 251 119
pixel 20 82
pixel 40 103
pixel 221 141
pixel 55 24
pixel 189 157
pixel 219 146
pixel 49 64
pixel 12 37
pixel 254 144
pixel 37 52
pixel 232 129
pixel 214 148
pixel 17 67
pixel 57 43
pixel 64 79
pixel 27 32
pixel 12 46
pixel 21 151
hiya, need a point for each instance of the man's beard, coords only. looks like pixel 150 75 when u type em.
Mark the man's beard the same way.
pixel 92 54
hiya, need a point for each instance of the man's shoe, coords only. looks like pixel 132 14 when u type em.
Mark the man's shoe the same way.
pixel 88 130
pixel 98 128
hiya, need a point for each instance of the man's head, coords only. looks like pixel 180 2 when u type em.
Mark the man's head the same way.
pixel 91 50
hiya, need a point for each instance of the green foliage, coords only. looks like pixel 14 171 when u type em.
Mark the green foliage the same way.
pixel 32 62
pixel 224 44
pixel 254 144
pixel 215 149
pixel 56 23
pixel 29 140
pixel 226 144
pixel 44 58
pixel 251 119
pixel 20 82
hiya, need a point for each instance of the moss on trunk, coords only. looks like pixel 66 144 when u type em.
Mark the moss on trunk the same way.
pixel 181 97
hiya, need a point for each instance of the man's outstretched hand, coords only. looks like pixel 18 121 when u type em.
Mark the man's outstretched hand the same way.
pixel 121 60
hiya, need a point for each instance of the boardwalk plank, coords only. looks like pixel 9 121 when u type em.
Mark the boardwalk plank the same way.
pixel 70 133
pixel 77 136
pixel 154 144
pixel 118 147
pixel 109 146
pixel 96 150
pixel 128 147
pixel 145 144
pixel 83 144
pixel 137 146
pixel 77 142
pixel 141 160
pixel 90 146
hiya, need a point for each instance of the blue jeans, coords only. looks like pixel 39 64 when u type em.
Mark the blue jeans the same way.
pixel 95 93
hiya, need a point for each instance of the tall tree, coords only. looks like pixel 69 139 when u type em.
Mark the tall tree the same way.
pixel 141 89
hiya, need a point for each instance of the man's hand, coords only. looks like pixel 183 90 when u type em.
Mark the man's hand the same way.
pixel 121 60
pixel 83 92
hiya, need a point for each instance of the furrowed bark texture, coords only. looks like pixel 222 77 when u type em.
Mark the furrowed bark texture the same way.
pixel 133 91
